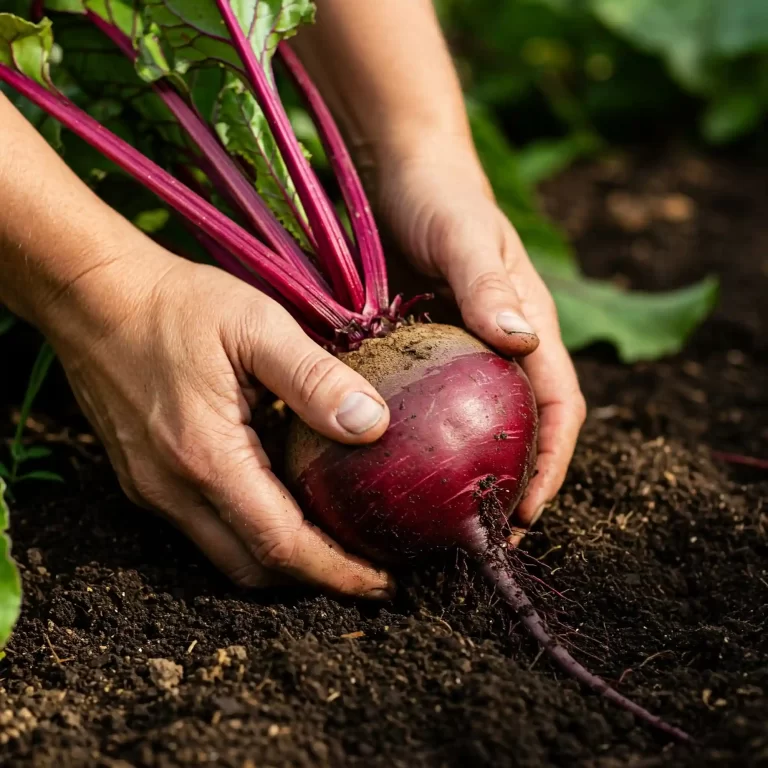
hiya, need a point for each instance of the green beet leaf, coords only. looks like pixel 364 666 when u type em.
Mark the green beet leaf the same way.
pixel 160 33
pixel 185 36
pixel 26 46
pixel 243 130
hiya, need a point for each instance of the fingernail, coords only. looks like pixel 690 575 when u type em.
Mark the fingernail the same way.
pixel 359 412
pixel 511 322
pixel 378 594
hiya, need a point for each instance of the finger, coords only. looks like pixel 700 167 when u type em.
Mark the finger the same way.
pixel 473 263
pixel 326 394
pixel 202 525
pixel 260 511
pixel 561 414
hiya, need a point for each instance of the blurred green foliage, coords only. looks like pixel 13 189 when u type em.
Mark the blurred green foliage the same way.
pixel 10 583
pixel 641 326
pixel 16 471
pixel 616 68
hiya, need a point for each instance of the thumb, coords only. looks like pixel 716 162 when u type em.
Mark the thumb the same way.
pixel 490 306
pixel 325 393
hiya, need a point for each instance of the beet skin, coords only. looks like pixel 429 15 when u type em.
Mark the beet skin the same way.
pixel 459 449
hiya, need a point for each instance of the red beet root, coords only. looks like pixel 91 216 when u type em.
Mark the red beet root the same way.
pixel 454 462
pixel 462 435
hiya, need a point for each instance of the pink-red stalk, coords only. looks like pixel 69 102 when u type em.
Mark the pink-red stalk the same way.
pixel 236 268
pixel 361 217
pixel 227 174
pixel 307 298
pixel 332 248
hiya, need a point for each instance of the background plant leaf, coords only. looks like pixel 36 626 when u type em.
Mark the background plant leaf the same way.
pixel 545 158
pixel 640 325
pixel 683 32
pixel 41 474
pixel 10 583
pixel 7 320
pixel 732 115
pixel 617 68
pixel 37 452
pixel 39 372
pixel 705 43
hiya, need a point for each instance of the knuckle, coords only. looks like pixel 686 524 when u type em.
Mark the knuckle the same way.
pixel 248 575
pixel 547 304
pixel 254 319
pixel 261 313
pixel 435 231
pixel 244 327
pixel 139 482
pixel 316 372
pixel 188 451
pixel 490 282
pixel 148 490
pixel 277 552
pixel 131 491
pixel 190 463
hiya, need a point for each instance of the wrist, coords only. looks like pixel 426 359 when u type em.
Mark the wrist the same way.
pixel 389 165
pixel 109 286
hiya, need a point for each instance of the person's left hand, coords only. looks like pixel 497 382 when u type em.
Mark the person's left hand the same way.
pixel 441 210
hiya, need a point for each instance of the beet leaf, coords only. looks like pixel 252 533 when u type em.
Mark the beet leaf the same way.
pixel 200 33
pixel 165 51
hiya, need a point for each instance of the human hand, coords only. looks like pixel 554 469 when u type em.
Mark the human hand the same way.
pixel 442 212
pixel 168 383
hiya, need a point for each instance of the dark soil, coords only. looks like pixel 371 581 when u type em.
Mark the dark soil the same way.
pixel 132 652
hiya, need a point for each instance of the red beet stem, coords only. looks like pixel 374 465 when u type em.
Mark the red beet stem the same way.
pixel 222 169
pixel 516 598
pixel 313 303
pixel 360 215
pixel 333 251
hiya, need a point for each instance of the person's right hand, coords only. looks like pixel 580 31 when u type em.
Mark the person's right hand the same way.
pixel 163 358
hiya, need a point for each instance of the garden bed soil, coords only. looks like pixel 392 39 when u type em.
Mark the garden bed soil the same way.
pixel 132 651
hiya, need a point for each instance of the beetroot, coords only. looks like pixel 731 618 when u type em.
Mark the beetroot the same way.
pixel 460 446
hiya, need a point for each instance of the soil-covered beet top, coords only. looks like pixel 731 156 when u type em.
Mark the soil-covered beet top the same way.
pixel 461 445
